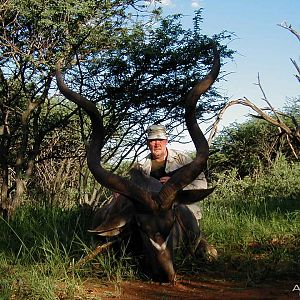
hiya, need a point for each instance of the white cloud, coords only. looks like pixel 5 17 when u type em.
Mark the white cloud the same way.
pixel 167 3
pixel 196 4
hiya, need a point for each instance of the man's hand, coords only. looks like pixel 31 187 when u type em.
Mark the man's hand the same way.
pixel 164 179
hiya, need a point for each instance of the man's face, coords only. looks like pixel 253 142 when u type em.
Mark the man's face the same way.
pixel 158 148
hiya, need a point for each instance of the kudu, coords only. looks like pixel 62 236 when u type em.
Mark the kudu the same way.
pixel 156 212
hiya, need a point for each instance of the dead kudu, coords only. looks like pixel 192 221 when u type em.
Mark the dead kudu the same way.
pixel 156 213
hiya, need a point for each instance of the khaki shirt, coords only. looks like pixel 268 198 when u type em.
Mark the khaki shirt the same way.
pixel 175 160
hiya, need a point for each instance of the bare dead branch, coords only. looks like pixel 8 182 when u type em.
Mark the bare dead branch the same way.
pixel 214 127
pixel 295 122
pixel 287 26
pixel 259 111
pixel 266 99
pixel 291 146
pixel 290 133
pixel 297 68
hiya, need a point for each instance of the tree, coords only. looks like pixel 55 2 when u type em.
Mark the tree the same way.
pixel 143 82
pixel 125 66
pixel 34 34
pixel 253 145
pixel 287 122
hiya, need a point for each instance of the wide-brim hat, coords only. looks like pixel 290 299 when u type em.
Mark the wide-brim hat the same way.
pixel 156 132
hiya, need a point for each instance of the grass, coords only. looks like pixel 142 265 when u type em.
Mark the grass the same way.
pixel 254 224
pixel 36 280
pixel 38 251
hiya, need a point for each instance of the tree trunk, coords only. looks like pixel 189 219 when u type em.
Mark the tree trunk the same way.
pixel 4 201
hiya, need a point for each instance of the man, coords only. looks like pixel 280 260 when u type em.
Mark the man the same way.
pixel 162 161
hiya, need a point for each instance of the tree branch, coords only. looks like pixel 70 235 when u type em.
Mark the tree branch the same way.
pixel 287 26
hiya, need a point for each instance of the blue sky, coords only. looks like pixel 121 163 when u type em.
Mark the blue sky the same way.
pixel 262 47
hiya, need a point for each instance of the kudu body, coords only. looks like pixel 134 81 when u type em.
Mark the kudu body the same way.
pixel 156 212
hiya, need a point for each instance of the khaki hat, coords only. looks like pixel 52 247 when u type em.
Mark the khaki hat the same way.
pixel 156 132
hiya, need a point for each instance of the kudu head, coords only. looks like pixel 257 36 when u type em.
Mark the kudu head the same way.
pixel 152 204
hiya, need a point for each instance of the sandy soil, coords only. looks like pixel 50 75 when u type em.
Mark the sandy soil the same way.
pixel 191 288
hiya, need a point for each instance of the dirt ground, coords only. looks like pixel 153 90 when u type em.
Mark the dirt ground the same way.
pixel 191 288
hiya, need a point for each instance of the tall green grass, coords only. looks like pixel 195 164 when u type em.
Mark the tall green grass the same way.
pixel 38 251
pixel 255 222
pixel 36 247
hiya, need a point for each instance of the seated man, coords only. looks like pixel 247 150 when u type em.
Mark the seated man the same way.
pixel 161 162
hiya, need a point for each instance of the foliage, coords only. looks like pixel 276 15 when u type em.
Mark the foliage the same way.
pixel 40 30
pixel 138 73
pixel 252 146
pixel 144 82
pixel 245 147
pixel 292 108
pixel 33 36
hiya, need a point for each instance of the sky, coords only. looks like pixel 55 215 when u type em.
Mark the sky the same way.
pixel 262 47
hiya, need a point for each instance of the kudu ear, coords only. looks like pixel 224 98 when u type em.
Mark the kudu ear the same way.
pixel 192 196
pixel 111 219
